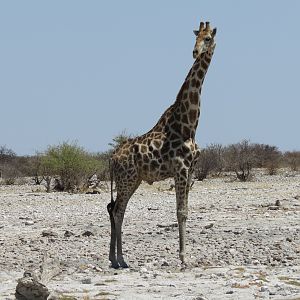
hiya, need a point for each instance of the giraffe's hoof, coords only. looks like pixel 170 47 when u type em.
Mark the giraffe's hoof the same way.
pixel 184 266
pixel 182 257
pixel 115 265
pixel 123 264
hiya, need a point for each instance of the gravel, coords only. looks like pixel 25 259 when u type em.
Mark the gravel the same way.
pixel 243 241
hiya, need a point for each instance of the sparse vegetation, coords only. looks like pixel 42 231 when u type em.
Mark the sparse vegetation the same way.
pixel 68 167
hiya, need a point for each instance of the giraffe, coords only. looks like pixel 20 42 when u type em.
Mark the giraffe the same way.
pixel 167 150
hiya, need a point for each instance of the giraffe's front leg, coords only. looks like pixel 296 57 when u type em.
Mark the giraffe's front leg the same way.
pixel 181 185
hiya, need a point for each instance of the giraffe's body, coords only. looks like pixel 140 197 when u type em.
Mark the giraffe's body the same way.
pixel 167 150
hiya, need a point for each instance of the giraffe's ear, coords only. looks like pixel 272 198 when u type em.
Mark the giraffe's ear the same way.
pixel 196 32
pixel 214 32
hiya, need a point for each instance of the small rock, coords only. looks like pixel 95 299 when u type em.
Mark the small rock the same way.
pixel 86 281
pixel 232 251
pixel 277 203
pixel 164 264
pixel 97 269
pixel 28 288
pixel 272 293
pixel 273 207
pixel 229 292
pixel 49 233
pixel 24 218
pixel 29 223
pixel 264 289
pixel 289 239
pixel 143 270
pixel 88 233
pixel 209 226
pixel 151 208
pixel 53 296
pixel 68 233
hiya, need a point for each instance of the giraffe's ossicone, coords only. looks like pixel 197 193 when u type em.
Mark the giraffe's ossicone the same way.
pixel 167 150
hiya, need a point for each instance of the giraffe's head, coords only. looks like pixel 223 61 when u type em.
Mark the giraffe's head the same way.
pixel 204 39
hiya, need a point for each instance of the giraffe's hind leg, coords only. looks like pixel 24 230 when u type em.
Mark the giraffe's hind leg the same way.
pixel 124 192
pixel 119 216
pixel 112 250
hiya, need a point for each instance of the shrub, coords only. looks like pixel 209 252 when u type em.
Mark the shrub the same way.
pixel 71 163
pixel 240 158
pixel 272 159
pixel 210 160
pixel 292 159
pixel 34 168
pixel 6 154
pixel 13 166
pixel 267 157
pixel 8 167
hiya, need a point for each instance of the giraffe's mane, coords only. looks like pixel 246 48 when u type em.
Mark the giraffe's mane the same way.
pixel 164 118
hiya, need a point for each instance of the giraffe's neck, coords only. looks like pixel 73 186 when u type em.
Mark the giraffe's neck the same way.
pixel 194 80
pixel 181 118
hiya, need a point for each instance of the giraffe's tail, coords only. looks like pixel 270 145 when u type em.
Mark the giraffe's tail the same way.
pixel 110 205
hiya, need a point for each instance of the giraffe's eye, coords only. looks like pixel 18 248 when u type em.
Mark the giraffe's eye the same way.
pixel 207 39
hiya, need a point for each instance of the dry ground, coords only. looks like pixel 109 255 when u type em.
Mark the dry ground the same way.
pixel 240 244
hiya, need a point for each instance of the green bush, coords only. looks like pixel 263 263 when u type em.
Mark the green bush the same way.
pixel 71 163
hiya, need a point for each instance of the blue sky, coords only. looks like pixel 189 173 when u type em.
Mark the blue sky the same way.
pixel 87 70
